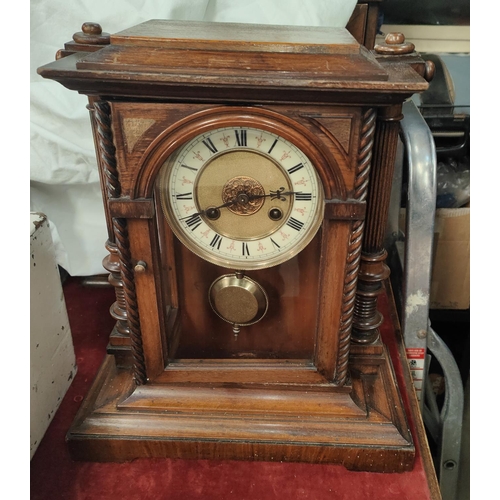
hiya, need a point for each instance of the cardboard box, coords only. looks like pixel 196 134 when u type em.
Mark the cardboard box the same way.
pixel 450 282
pixel 52 356
pixel 450 279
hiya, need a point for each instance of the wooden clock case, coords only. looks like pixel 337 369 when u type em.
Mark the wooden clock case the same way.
pixel 312 381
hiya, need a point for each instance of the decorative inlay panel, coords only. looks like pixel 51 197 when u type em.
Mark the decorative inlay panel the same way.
pixel 133 129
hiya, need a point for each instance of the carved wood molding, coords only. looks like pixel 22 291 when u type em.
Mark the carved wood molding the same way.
pixel 355 246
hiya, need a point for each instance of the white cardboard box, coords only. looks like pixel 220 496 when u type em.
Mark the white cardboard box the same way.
pixel 52 356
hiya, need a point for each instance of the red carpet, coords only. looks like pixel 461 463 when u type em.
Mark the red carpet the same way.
pixel 55 476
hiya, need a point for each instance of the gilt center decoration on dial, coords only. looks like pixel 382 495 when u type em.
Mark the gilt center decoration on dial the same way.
pixel 241 197
pixel 248 192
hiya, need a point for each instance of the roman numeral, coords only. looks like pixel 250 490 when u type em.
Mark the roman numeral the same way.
pixel 210 145
pixel 244 248
pixel 294 169
pixel 216 241
pixel 190 168
pixel 295 224
pixel 241 137
pixel 194 221
pixel 184 196
pixel 272 147
pixel 303 196
pixel 274 243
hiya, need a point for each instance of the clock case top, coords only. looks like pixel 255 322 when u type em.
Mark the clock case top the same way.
pixel 285 75
pixel 161 59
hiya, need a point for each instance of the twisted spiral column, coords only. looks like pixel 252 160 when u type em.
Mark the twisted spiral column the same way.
pixel 373 270
pixel 355 245
pixel 107 150
pixel 130 298
pixel 118 262
pixel 101 114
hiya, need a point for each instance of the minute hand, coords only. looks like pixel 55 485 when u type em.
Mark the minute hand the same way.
pixel 279 194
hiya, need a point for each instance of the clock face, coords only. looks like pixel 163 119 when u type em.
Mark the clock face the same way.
pixel 242 197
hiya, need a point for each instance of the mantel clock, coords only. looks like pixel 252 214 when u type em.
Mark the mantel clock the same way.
pixel 245 175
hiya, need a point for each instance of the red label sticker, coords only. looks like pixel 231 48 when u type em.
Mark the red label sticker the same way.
pixel 415 352
pixel 416 362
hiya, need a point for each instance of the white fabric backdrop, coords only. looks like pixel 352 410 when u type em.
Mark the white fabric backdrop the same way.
pixel 64 177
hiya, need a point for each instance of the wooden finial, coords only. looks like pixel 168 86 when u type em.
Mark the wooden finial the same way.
pixel 91 34
pixel 394 39
pixel 430 69
pixel 394 44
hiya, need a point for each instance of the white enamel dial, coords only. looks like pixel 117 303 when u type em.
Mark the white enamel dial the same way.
pixel 242 197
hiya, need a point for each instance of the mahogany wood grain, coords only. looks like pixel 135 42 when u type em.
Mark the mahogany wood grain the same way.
pixel 357 23
pixel 246 398
pixel 329 134
pixel 286 331
pixel 131 209
pixel 363 23
pixel 265 67
pixel 257 431
pixel 284 372
pixel 345 211
pixel 400 84
pixel 323 154
pixel 149 304
pixel 121 230
pixel 331 295
pixel 292 386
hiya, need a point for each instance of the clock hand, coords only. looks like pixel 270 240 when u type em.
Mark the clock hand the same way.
pixel 243 198
pixel 211 209
pixel 278 194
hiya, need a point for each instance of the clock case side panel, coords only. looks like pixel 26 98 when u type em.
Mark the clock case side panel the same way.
pixel 125 342
pixel 154 301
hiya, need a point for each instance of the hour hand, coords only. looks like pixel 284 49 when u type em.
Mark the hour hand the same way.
pixel 212 212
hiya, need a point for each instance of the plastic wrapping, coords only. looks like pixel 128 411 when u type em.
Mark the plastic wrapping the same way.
pixel 453 183
pixel 64 176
